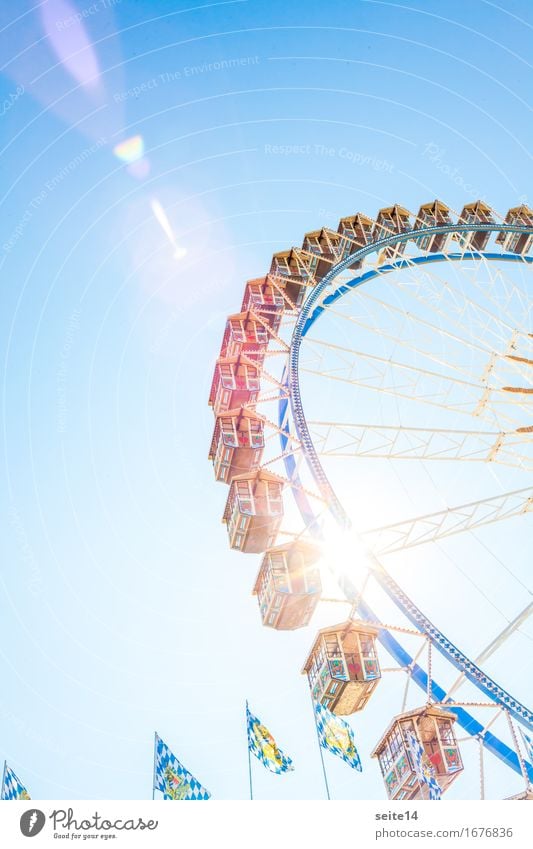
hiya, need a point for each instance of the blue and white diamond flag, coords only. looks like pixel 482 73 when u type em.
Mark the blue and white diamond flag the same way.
pixel 424 771
pixel 262 744
pixel 336 736
pixel 171 777
pixel 12 787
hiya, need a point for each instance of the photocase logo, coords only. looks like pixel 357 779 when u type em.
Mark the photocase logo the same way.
pixel 32 822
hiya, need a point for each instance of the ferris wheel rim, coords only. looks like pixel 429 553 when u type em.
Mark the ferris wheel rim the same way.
pixel 306 318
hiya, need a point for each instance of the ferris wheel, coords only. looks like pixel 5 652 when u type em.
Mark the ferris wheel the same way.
pixel 385 368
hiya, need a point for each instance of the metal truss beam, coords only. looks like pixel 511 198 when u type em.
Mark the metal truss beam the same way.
pixel 338 439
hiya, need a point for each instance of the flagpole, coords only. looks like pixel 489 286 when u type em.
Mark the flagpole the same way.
pixel 3 780
pixel 155 755
pixel 250 774
pixel 249 758
pixel 320 750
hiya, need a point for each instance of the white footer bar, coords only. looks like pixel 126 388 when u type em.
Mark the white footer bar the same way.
pixel 267 825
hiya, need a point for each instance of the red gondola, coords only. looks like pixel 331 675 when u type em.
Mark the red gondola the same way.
pixel 237 444
pixel 254 511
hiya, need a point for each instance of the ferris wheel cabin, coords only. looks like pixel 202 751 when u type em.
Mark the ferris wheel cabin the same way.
pixel 343 667
pixel 237 444
pixel 293 271
pixel 518 243
pixel 264 299
pixel 324 245
pixel 288 585
pixel 433 728
pixel 355 232
pixel 475 213
pixel 254 511
pixel 236 381
pixel 432 215
pixel 391 220
pixel 245 334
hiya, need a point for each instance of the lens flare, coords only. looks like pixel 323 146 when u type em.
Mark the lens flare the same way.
pixel 162 219
pixel 70 41
pixel 130 150
pixel 346 555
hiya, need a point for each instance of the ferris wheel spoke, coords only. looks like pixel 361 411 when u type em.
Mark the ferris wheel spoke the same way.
pixel 345 355
pixel 511 628
pixel 478 331
pixel 340 439
pixel 495 287
pixel 410 383
pixel 461 310
pixel 384 373
pixel 455 520
pixel 342 355
pixel 503 293
pixel 412 388
pixel 486 725
pixel 412 326
pixel 497 643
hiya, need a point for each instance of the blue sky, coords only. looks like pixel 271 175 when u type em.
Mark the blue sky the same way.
pixel 123 611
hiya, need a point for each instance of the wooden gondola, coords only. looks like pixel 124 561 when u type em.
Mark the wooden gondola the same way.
pixel 236 381
pixel 237 444
pixel 342 666
pixel 432 215
pixel 245 333
pixel 293 271
pixel 254 511
pixel 475 213
pixel 432 727
pixel 517 243
pixel 391 220
pixel 288 585
pixel 264 298
pixel 355 232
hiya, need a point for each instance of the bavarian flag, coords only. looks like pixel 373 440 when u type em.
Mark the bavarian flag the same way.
pixel 423 768
pixel 171 777
pixel 336 736
pixel 12 787
pixel 262 744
